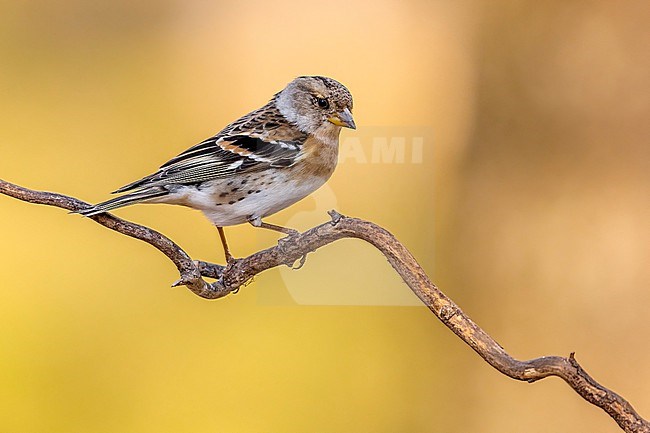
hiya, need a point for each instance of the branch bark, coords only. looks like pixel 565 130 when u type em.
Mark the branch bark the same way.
pixel 289 250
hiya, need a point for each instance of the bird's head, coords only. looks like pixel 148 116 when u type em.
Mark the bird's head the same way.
pixel 316 102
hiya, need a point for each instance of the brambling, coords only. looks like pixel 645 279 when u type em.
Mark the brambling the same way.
pixel 258 165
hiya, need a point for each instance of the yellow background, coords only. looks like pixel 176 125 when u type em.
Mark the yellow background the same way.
pixel 529 208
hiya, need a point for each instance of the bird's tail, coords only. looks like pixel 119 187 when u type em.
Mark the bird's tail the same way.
pixel 125 200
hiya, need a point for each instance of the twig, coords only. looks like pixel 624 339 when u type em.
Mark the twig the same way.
pixel 296 247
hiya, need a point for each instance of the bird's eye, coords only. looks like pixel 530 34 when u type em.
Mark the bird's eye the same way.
pixel 323 103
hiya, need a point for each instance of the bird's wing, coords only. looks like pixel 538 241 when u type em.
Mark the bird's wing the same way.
pixel 258 140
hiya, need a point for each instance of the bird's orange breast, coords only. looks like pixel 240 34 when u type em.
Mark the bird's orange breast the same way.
pixel 318 158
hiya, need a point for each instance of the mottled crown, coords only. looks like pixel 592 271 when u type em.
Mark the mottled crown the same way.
pixel 337 91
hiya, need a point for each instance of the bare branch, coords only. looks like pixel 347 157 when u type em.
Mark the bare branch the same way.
pixel 190 275
pixel 296 247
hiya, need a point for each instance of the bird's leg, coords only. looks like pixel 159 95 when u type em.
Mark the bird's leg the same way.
pixel 224 242
pixel 285 230
pixel 257 222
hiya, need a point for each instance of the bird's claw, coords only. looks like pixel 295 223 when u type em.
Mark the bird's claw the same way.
pixel 301 263
pixel 291 233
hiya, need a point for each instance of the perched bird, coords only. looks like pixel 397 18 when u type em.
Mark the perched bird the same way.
pixel 258 165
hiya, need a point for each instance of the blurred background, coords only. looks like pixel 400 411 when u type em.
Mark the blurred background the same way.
pixel 523 191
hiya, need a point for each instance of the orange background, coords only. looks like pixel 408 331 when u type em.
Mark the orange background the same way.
pixel 529 208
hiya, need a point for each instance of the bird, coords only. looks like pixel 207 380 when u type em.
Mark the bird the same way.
pixel 262 163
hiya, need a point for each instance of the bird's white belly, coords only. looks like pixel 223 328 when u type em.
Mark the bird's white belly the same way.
pixel 235 201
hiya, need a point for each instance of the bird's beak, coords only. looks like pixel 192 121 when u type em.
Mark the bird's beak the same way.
pixel 343 118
